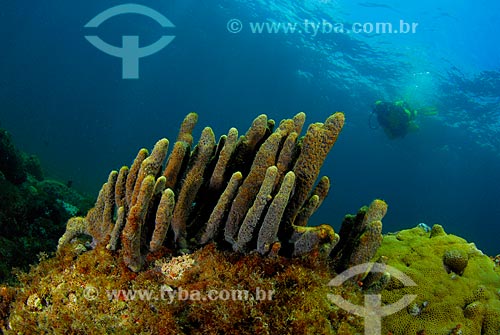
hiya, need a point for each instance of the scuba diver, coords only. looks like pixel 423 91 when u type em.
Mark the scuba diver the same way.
pixel 396 118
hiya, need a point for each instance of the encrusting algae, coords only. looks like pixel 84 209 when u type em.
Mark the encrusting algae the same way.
pixel 215 241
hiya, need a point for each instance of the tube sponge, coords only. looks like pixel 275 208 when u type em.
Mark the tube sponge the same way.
pixel 253 192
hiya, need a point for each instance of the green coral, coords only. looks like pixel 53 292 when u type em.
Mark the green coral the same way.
pixel 465 298
pixel 455 260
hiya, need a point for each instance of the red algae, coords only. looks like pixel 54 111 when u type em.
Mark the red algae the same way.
pixel 218 292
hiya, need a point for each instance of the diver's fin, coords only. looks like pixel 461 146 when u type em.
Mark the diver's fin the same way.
pixel 428 111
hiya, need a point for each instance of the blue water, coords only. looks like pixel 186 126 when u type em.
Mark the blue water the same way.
pixel 65 100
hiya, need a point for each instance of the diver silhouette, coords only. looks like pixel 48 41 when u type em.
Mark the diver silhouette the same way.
pixel 396 118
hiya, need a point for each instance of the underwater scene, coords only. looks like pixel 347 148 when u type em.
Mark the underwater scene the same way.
pixel 250 167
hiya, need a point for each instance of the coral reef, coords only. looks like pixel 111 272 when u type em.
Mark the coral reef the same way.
pixel 33 211
pixel 457 286
pixel 228 217
pixel 249 193
pixel 212 291
pixel 166 239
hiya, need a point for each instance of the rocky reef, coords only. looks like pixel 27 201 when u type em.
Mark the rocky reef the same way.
pixel 33 210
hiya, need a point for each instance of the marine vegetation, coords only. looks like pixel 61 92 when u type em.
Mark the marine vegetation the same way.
pixel 33 210
pixel 207 292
